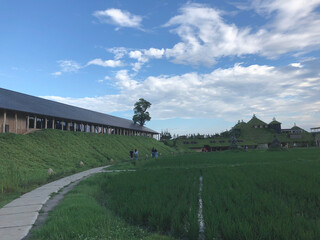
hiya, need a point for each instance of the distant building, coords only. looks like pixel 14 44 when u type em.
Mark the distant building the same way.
pixel 275 125
pixel 257 123
pixel 21 113
pixel 315 130
pixel 316 133
pixel 294 132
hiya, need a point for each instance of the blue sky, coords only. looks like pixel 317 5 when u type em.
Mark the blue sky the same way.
pixel 203 65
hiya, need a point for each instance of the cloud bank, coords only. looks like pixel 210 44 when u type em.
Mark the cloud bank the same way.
pixel 231 93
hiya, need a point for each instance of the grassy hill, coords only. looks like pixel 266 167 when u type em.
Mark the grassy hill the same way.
pixel 25 159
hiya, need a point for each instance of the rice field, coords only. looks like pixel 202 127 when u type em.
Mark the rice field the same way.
pixel 245 195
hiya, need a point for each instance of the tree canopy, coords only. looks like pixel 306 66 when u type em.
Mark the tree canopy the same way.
pixel 140 112
pixel 165 135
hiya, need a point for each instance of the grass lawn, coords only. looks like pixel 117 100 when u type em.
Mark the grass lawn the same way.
pixel 246 195
pixel 25 159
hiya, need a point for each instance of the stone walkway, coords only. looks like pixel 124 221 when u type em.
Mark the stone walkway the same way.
pixel 17 217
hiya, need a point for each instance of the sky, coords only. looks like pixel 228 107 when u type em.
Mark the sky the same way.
pixel 203 65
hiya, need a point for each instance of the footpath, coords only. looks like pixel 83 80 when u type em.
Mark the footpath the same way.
pixel 18 216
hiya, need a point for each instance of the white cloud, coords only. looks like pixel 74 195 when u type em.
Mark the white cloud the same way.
pixel 119 52
pixel 56 73
pixel 292 26
pixel 69 66
pixel 232 93
pixel 297 65
pixel 136 55
pixel 107 63
pixel 154 53
pixel 205 36
pixel 143 56
pixel 124 81
pixel 119 18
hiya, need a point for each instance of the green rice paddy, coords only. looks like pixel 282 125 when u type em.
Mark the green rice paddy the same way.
pixel 246 195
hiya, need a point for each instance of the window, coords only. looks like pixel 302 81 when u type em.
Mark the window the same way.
pixel 71 126
pixel 57 124
pixel 31 122
pixel 49 123
pixel 40 123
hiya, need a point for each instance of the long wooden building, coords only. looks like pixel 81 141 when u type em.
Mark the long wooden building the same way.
pixel 21 113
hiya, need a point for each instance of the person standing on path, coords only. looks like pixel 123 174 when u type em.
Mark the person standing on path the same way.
pixel 152 152
pixel 135 154
pixel 131 154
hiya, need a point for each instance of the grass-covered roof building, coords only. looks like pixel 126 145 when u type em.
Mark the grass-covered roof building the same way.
pixel 252 134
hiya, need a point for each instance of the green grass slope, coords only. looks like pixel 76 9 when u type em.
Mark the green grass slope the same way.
pixel 25 159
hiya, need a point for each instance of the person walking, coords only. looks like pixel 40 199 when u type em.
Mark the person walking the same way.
pixel 131 154
pixel 153 152
pixel 135 154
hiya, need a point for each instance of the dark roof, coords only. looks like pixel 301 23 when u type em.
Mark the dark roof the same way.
pixel 274 122
pixel 29 104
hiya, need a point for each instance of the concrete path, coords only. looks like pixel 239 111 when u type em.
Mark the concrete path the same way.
pixel 17 217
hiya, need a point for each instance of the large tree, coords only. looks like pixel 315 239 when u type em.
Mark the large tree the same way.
pixel 140 112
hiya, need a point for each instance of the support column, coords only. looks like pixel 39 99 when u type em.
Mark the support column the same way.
pixel 35 122
pixel 4 121
pixel 45 123
pixel 28 122
pixel 68 126
pixel 74 126
pixel 16 122
pixel 53 125
pixel 61 125
pixel 93 129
